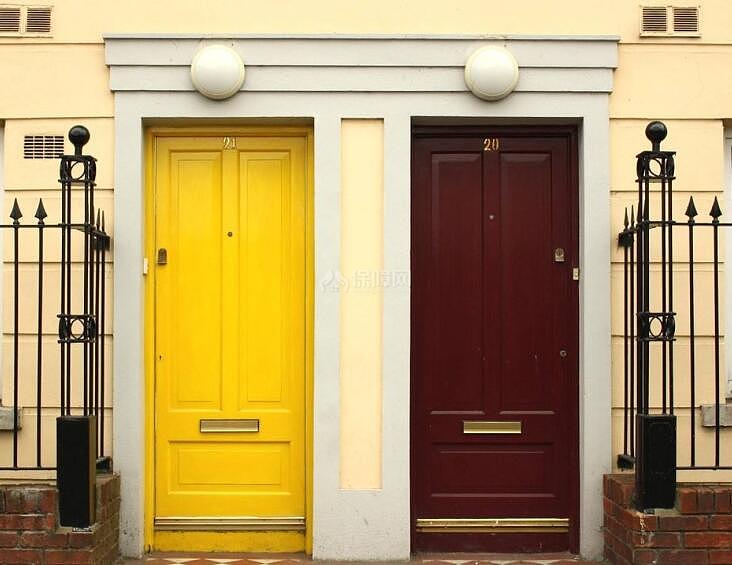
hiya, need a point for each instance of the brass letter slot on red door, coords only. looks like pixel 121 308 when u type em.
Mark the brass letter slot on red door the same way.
pixel 250 425
pixel 483 427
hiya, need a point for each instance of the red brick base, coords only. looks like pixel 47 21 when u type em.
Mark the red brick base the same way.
pixel 697 532
pixel 29 530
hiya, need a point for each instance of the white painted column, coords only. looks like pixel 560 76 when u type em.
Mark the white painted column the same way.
pixel 364 524
pixel 326 409
pixel 397 332
pixel 595 352
pixel 129 323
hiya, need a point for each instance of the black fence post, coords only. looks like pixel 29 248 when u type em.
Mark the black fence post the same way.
pixel 655 450
pixel 76 448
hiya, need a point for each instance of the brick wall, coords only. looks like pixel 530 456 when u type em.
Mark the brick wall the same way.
pixel 697 532
pixel 29 530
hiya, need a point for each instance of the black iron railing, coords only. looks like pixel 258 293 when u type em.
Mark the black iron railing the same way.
pixel 80 311
pixel 650 278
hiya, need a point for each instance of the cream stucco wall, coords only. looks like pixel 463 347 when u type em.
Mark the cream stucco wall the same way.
pixel 360 283
pixel 77 23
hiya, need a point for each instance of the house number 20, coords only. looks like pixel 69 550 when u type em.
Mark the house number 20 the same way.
pixel 491 144
pixel 229 143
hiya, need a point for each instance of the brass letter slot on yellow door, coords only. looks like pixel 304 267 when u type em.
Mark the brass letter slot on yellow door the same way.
pixel 482 427
pixel 250 425
pixel 493 525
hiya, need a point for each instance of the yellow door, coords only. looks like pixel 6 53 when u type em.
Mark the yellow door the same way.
pixel 230 351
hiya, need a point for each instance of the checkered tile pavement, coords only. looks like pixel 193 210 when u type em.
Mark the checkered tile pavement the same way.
pixel 477 559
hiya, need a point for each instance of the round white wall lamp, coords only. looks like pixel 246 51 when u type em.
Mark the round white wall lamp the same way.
pixel 217 72
pixel 491 73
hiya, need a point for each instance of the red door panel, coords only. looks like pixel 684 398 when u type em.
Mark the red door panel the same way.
pixel 494 339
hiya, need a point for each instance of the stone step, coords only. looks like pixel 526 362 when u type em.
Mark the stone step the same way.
pixel 431 559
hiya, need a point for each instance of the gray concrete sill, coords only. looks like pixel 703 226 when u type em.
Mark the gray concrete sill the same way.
pixel 709 415
pixel 6 418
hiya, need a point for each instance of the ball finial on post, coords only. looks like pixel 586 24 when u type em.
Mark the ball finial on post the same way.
pixel 78 136
pixel 656 132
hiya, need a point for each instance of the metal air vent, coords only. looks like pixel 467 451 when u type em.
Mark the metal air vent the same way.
pixel 669 21
pixel 686 20
pixel 25 20
pixel 653 19
pixel 9 19
pixel 43 146
pixel 38 20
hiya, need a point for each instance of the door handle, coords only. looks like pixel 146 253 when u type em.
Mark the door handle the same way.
pixel 162 256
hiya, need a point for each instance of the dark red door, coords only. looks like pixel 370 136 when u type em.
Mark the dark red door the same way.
pixel 495 461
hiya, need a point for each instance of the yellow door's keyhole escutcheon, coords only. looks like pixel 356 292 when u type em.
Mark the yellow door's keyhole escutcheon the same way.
pixel 229 468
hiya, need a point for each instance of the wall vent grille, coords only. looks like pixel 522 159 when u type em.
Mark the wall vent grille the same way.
pixel 21 21
pixel 43 146
pixel 38 20
pixel 654 19
pixel 9 19
pixel 669 21
pixel 686 20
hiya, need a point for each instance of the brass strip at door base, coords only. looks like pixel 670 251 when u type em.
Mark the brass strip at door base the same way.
pixel 492 525
pixel 484 427
pixel 230 523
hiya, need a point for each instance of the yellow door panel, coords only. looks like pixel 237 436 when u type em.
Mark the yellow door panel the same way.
pixel 230 336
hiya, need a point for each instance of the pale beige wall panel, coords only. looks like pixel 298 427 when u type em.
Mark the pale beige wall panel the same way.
pixel 703 236
pixel 362 253
pixel 699 144
pixel 703 288
pixel 42 174
pixel 672 81
pixel 50 386
pixel 27 439
pixel 379 16
pixel 329 16
pixel 55 80
pixel 704 447
pixel 715 18
pixel 704 372
pixel 28 239
pixel 28 296
pixel 618 17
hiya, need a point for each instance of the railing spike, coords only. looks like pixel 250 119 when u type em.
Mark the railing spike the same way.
pixel 102 220
pixel 41 211
pixel 691 209
pixel 716 211
pixel 16 214
pixel 625 221
pixel 632 216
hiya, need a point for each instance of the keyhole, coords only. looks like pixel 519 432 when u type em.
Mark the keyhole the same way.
pixel 230 234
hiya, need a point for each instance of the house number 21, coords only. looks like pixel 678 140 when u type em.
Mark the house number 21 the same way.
pixel 229 143
pixel 491 144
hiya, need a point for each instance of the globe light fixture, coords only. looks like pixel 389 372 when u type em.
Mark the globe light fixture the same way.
pixel 217 72
pixel 491 73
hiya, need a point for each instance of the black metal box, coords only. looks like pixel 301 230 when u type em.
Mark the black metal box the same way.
pixel 76 440
pixel 655 472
